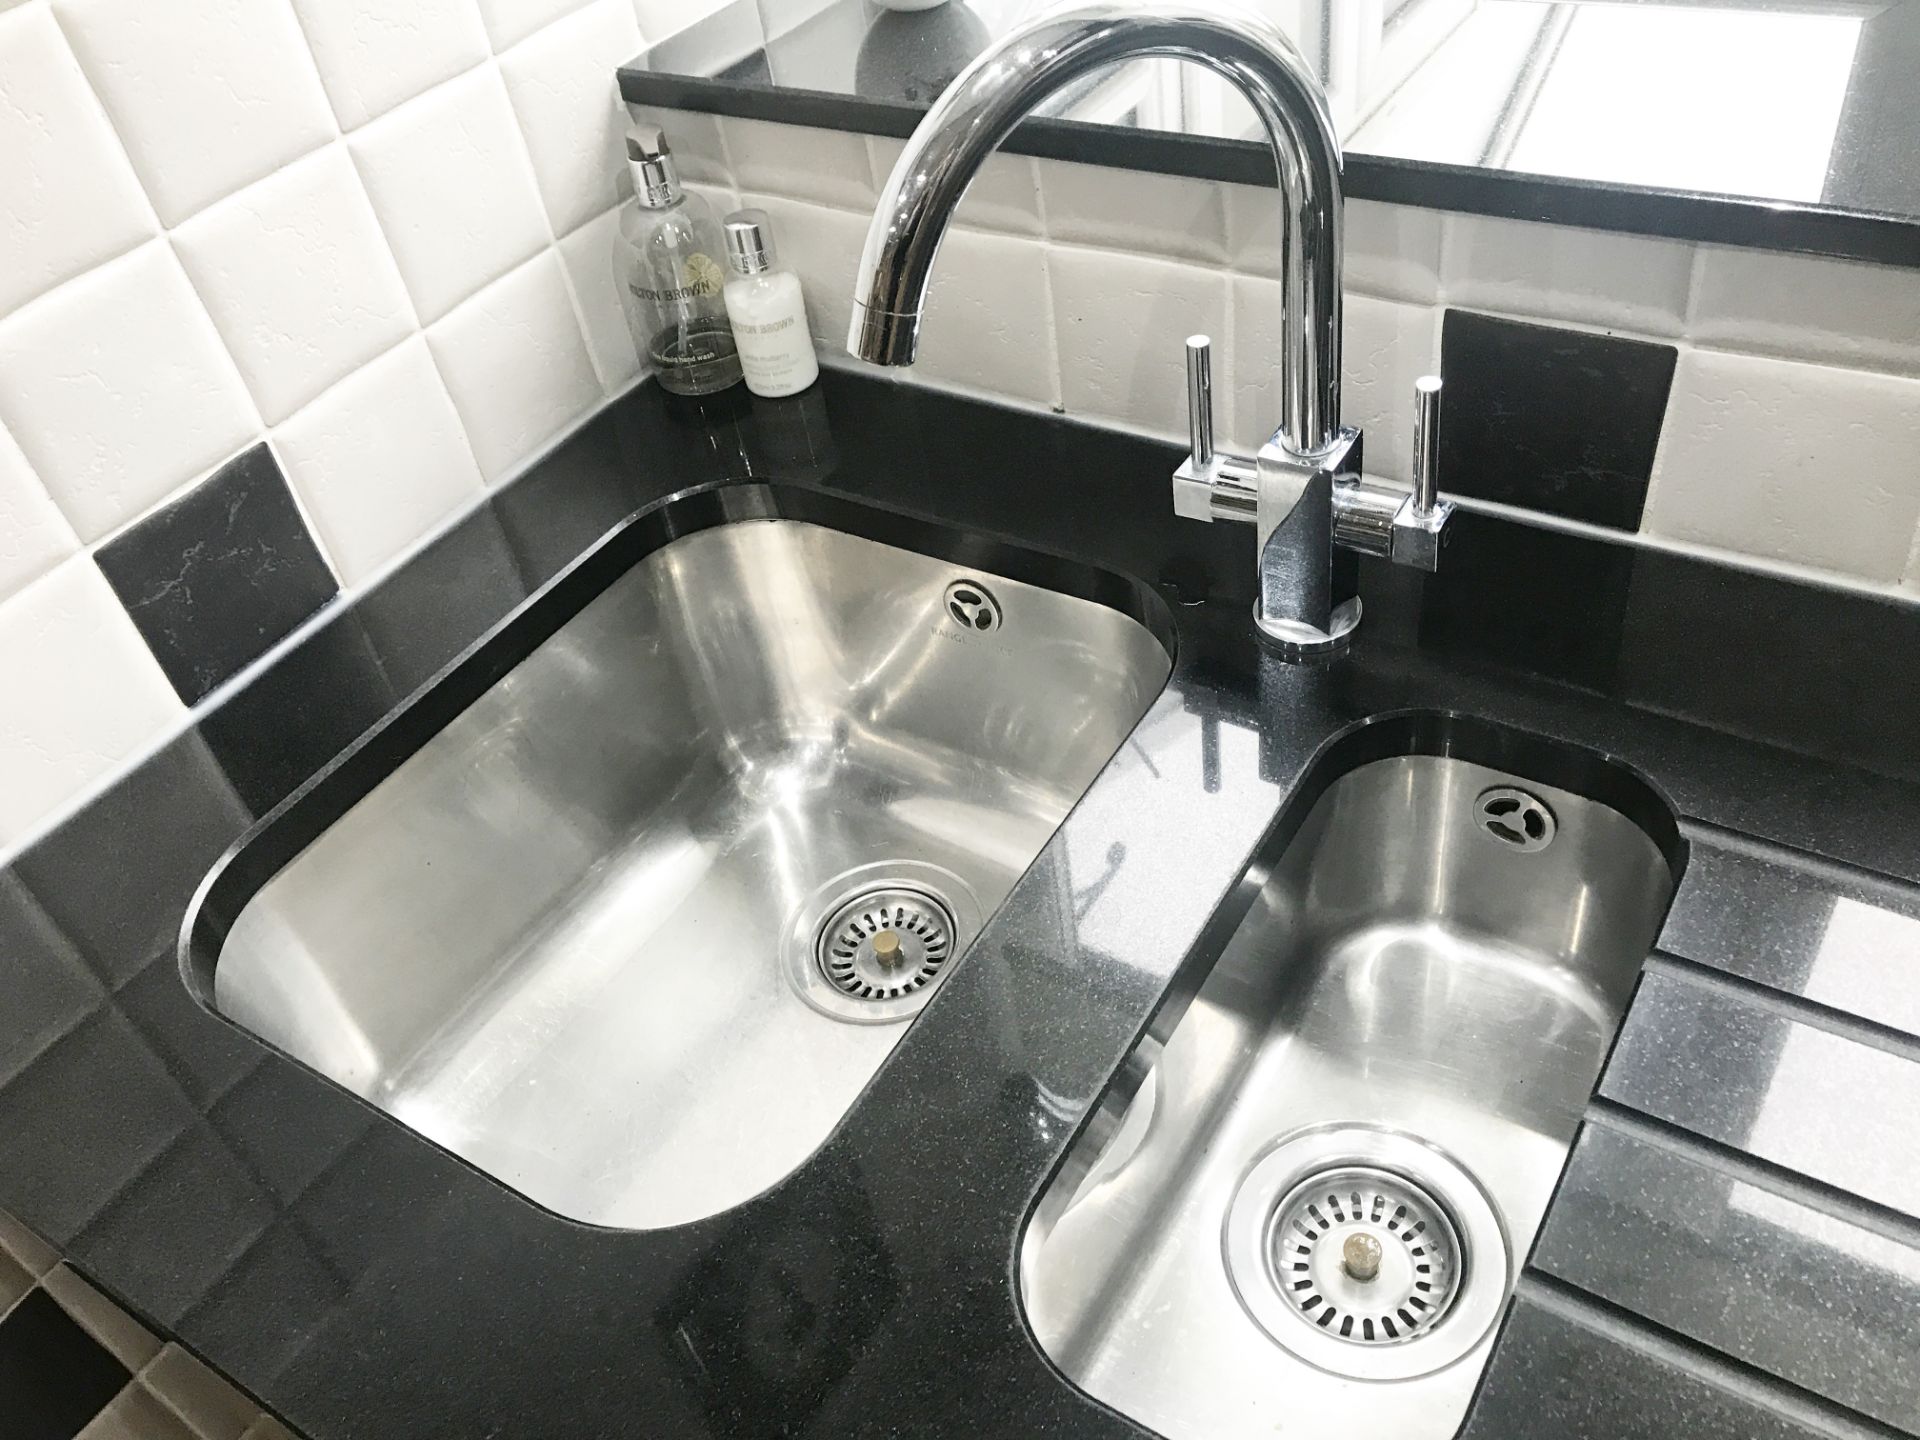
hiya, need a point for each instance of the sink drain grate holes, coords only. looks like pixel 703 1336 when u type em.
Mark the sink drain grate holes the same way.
pixel 1515 818
pixel 886 943
pixel 1364 1255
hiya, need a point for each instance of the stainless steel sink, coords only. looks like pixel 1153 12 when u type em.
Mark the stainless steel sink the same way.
pixel 632 931
pixel 1301 1207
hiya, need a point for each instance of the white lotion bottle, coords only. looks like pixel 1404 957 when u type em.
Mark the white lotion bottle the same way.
pixel 767 311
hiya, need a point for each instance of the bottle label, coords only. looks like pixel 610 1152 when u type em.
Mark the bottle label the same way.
pixel 699 278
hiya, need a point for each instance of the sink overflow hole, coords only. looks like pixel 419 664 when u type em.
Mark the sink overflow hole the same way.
pixel 885 943
pixel 1515 818
pixel 971 606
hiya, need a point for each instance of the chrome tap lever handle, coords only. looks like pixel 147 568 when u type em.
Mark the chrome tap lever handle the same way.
pixel 1419 527
pixel 1200 402
pixel 1426 444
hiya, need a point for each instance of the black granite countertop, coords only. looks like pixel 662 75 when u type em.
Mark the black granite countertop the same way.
pixel 1735 1248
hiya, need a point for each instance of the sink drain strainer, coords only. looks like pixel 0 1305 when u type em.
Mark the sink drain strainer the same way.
pixel 1366 1252
pixel 883 944
pixel 1364 1255
pixel 871 944
pixel 1515 818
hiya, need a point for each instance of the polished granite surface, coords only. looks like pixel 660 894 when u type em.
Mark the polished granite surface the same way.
pixel 1742 121
pixel 1733 1248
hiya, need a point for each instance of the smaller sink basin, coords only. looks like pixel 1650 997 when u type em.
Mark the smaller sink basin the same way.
pixel 628 908
pixel 1304 1211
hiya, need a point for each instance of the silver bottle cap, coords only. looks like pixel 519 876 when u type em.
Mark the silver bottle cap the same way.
pixel 656 181
pixel 750 242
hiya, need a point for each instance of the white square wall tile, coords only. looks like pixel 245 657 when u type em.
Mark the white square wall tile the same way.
pixel 298 279
pixel 1794 462
pixel 568 101
pixel 84 695
pixel 1392 251
pixel 1121 323
pixel 822 246
pixel 510 21
pixel 1555 272
pixel 118 390
pixel 989 317
pixel 68 198
pixel 516 365
pixel 1005 195
pixel 207 96
pixel 662 18
pixel 380 460
pixel 1135 211
pixel 588 255
pixel 1807 307
pixel 34 535
pixel 827 167
pixel 374 54
pixel 1387 345
pixel 449 178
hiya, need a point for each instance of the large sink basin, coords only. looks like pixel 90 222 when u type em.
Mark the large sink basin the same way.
pixel 630 924
pixel 1301 1206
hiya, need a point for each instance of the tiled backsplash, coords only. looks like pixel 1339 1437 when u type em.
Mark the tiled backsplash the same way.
pixel 345 264
pixel 374 234
pixel 1768 405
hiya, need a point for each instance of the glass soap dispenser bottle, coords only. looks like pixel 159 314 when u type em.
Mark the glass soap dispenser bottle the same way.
pixel 768 311
pixel 666 263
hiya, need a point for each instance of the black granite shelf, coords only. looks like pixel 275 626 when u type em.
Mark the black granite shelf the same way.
pixel 807 74
pixel 365 1283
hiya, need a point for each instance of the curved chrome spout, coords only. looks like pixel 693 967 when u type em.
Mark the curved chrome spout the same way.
pixel 1029 64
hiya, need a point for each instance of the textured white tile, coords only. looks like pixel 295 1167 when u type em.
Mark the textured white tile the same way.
pixel 1911 580
pixel 206 96
pixel 516 365
pixel 568 101
pixel 1388 345
pixel 588 255
pixel 1796 462
pixel 1134 211
pixel 1121 323
pixel 989 317
pixel 449 178
pixel 1005 195
pixel 699 153
pixel 1807 307
pixel 1555 272
pixel 510 21
pixel 1392 251
pixel 380 460
pixel 212 1408
pixel 298 279
pixel 374 54
pixel 84 694
pixel 661 18
pixel 827 167
pixel 34 535
pixel 822 246
pixel 118 390
pixel 68 199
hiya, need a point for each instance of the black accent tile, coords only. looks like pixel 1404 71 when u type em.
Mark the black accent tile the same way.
pixel 214 579
pixel 117 885
pixel 49 988
pixel 310 706
pixel 1556 420
pixel 54 1377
